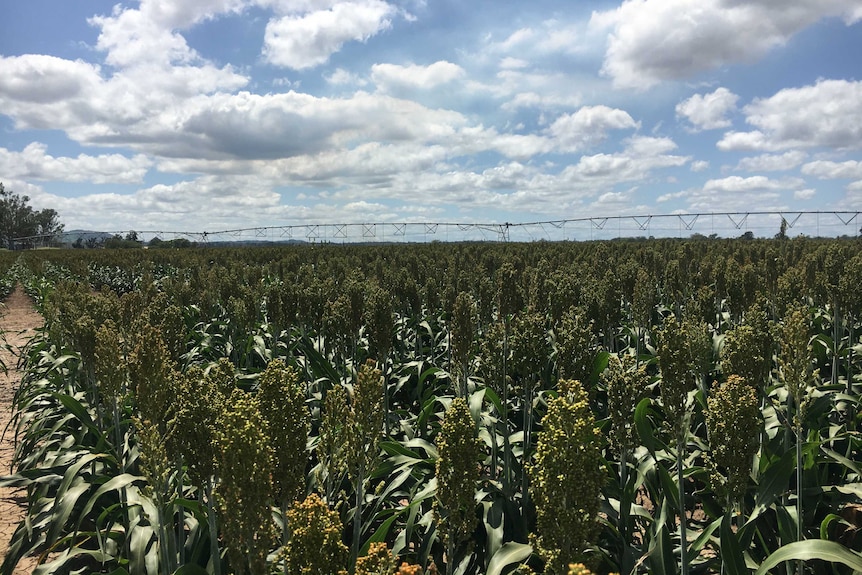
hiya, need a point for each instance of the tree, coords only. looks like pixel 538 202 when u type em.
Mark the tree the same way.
pixel 19 220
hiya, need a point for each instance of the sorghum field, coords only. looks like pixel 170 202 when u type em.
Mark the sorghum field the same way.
pixel 662 406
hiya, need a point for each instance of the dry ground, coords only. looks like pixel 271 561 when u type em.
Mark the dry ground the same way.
pixel 17 322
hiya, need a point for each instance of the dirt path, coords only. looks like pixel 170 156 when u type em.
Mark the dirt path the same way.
pixel 17 322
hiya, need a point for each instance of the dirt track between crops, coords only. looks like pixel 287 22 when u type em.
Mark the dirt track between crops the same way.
pixel 18 319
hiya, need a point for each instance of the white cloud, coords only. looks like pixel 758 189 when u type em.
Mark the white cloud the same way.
pixel 655 40
pixel 131 37
pixel 826 170
pixel 528 88
pixel 36 90
pixel 772 162
pixel 641 155
pixel 46 92
pixel 589 126
pixel 672 196
pixel 509 63
pixel 543 101
pixel 699 165
pixel 737 184
pixel 804 194
pixel 308 40
pixel 754 140
pixel 517 38
pixel 413 76
pixel 827 114
pixel 125 110
pixel 341 77
pixel 34 163
pixel 551 36
pixel 708 111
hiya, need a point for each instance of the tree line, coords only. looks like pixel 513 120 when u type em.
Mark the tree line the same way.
pixel 22 226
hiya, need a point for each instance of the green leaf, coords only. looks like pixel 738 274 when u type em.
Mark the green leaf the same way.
pixel 644 425
pixel 115 483
pixel 190 569
pixel 773 484
pixel 812 549
pixel 828 520
pixel 731 552
pixel 511 553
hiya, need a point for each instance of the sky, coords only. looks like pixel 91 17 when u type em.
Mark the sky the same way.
pixel 200 115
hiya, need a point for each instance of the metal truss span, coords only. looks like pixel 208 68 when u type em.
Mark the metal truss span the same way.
pixel 706 224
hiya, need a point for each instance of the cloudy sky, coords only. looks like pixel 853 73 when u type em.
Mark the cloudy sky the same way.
pixel 211 114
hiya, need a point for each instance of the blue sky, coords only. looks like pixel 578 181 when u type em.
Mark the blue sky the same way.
pixel 201 115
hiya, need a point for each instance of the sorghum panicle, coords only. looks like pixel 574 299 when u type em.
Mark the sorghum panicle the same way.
pixel 733 422
pixel 378 561
pixel 110 365
pixel 457 473
pixel 576 345
pixel 675 364
pixel 567 477
pixel 794 360
pixel 281 397
pixel 626 386
pixel 365 421
pixel 315 546
pixel 243 494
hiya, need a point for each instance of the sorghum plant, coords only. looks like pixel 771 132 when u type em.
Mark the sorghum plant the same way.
pixel 281 398
pixel 332 443
pixel 795 369
pixel 680 355
pixel 567 479
pixel 365 428
pixel 457 473
pixel 462 333
pixel 733 422
pixel 576 344
pixel 626 385
pixel 244 467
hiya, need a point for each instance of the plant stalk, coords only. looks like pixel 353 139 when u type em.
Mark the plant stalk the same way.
pixel 211 519
pixel 683 536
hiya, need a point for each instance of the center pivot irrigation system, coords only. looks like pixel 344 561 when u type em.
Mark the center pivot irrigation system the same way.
pixel 715 224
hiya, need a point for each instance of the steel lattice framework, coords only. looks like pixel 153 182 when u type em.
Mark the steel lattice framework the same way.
pixel 717 224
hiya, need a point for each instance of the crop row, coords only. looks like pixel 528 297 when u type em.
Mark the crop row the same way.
pixel 664 407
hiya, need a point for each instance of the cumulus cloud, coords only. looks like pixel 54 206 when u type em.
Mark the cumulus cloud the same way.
pixel 827 170
pixel 699 165
pixel 308 40
pixel 772 162
pixel 655 40
pixel 341 77
pixel 739 194
pixel 640 156
pixel 36 90
pixel 34 163
pixel 589 126
pixel 413 76
pixel 708 111
pixel 119 112
pixel 826 114
pixel 737 184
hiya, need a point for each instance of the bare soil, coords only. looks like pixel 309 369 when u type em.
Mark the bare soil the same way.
pixel 18 320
